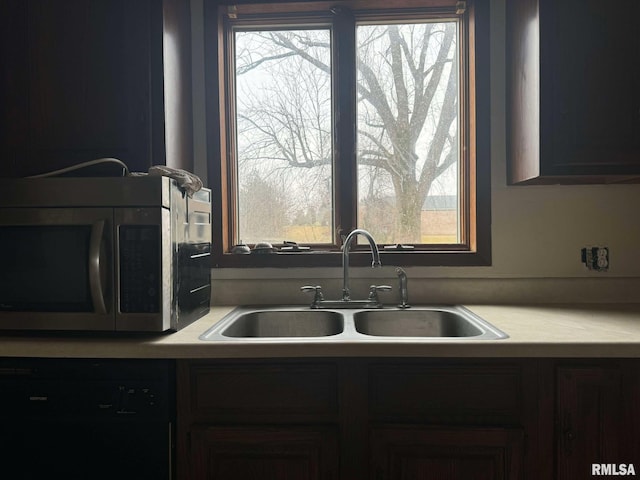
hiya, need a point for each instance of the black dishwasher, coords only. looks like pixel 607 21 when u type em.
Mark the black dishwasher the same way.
pixel 86 419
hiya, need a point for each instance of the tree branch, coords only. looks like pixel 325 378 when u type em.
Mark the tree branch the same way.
pixel 283 41
pixel 250 66
pixel 398 80
pixel 424 98
pixel 448 114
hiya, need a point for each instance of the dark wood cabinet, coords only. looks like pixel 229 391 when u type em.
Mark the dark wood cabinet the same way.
pixel 87 79
pixel 449 420
pixel 597 418
pixel 388 419
pixel 401 452
pixel 455 393
pixel 353 419
pixel 573 103
pixel 258 420
pixel 264 453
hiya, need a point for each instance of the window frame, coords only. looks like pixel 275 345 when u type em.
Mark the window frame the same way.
pixel 474 122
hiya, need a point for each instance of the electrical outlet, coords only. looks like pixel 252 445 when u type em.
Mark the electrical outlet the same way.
pixel 596 258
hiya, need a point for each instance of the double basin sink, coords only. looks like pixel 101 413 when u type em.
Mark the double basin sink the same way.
pixel 429 323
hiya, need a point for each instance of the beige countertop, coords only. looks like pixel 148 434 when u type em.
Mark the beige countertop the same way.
pixel 586 330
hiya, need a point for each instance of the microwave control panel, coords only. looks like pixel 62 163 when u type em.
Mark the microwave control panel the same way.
pixel 139 266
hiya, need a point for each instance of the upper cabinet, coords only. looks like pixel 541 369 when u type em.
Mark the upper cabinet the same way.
pixel 573 102
pixel 86 79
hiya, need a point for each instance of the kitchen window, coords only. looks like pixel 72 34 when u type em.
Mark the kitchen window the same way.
pixel 325 117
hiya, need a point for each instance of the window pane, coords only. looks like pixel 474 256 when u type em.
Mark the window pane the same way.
pixel 408 153
pixel 283 118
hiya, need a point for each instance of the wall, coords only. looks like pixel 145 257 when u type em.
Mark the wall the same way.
pixel 537 231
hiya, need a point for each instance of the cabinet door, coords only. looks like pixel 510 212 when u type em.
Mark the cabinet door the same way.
pixel 592 424
pixel 425 453
pixel 590 83
pixel 75 83
pixel 263 453
pixel 573 77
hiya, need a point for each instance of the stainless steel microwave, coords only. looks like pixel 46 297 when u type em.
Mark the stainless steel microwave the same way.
pixel 128 254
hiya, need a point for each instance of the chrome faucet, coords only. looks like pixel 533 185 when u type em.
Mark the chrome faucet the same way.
pixel 375 258
pixel 372 301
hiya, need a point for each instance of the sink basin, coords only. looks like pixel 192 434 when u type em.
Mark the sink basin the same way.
pixel 415 323
pixel 425 322
pixel 281 323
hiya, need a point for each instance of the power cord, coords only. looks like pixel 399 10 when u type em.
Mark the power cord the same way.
pixel 90 163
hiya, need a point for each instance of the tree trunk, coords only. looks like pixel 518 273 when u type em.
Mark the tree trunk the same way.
pixel 408 216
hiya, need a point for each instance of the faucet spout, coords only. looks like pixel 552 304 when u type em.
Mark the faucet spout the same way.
pixel 375 259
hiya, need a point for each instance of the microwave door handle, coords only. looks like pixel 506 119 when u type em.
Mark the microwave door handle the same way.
pixel 95 284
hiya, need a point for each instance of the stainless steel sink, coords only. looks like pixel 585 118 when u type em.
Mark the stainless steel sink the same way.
pixel 280 323
pixel 419 323
pixel 423 322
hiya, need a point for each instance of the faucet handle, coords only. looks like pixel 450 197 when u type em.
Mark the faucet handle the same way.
pixel 373 292
pixel 317 297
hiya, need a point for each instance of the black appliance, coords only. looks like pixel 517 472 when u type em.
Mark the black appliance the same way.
pixel 84 419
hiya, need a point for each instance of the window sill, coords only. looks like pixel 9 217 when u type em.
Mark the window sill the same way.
pixel 356 258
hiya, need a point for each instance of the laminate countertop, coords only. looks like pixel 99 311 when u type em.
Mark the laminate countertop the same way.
pixel 585 330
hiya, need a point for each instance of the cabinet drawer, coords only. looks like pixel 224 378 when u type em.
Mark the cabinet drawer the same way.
pixel 283 452
pixel 447 452
pixel 254 390
pixel 446 394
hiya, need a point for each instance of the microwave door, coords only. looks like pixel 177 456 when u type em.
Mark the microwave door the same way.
pixel 56 269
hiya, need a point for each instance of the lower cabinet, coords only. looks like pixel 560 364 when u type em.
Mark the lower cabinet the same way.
pixel 409 452
pixel 417 419
pixel 353 419
pixel 266 453
pixel 258 420
pixel 598 423
pixel 450 420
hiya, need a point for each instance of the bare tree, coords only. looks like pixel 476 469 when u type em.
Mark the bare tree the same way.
pixel 263 210
pixel 399 93
pixel 284 124
pixel 407 112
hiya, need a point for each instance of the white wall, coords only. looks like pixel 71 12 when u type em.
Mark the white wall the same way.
pixel 537 231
